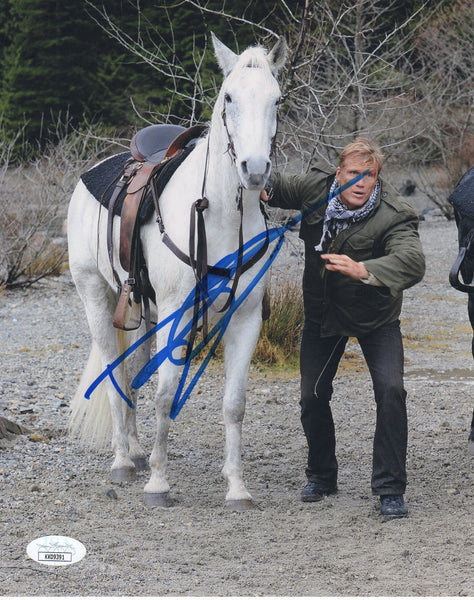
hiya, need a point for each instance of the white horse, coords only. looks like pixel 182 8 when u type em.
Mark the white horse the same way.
pixel 234 158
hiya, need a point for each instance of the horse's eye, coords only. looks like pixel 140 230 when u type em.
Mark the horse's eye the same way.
pixel 227 98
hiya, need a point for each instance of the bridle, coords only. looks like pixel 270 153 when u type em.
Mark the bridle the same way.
pixel 230 144
pixel 230 141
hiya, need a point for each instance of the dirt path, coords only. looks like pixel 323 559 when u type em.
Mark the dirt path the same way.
pixel 51 485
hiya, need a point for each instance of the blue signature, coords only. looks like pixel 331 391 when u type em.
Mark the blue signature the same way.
pixel 216 285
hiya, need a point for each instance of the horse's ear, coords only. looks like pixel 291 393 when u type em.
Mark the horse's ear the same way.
pixel 278 55
pixel 225 57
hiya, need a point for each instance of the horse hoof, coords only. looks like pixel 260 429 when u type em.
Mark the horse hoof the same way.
pixel 163 500
pixel 141 463
pixel 123 475
pixel 241 505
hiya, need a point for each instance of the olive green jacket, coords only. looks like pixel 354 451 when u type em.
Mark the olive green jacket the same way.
pixel 387 242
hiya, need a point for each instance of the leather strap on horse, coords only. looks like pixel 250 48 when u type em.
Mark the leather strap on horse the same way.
pixel 220 271
pixel 454 273
pixel 128 313
pixel 137 188
pixel 465 254
pixel 200 269
pixel 120 184
pixel 240 253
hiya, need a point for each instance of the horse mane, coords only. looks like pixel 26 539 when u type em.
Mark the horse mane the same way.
pixel 254 57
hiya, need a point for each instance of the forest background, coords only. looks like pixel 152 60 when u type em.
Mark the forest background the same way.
pixel 78 78
pixel 400 70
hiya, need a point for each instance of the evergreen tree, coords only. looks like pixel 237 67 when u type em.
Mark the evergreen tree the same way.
pixel 4 38
pixel 47 66
pixel 174 35
pixel 60 60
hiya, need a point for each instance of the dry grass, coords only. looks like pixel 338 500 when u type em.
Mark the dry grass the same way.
pixel 34 197
pixel 280 335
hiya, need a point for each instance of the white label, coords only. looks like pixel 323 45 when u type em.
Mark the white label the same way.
pixel 56 550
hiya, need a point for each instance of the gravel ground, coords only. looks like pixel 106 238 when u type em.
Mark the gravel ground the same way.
pixel 50 485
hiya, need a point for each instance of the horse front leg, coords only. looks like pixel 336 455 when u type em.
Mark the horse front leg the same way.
pixel 240 340
pixel 156 491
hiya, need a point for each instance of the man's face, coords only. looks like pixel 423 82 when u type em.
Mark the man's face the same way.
pixel 357 194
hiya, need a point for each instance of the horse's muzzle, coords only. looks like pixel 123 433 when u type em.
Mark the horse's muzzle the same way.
pixel 254 173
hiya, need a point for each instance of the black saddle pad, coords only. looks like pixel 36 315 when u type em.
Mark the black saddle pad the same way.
pixel 101 179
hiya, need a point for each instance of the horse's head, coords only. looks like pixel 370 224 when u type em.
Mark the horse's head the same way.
pixel 248 104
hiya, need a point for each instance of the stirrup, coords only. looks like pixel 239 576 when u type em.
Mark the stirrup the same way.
pixel 128 314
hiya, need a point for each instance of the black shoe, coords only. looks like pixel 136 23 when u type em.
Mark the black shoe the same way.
pixel 314 491
pixel 393 506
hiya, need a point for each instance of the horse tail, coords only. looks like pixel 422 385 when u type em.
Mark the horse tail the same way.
pixel 90 419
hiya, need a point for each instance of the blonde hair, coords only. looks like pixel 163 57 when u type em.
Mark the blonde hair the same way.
pixel 362 148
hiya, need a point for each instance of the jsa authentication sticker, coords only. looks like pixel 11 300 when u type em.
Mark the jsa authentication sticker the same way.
pixel 56 550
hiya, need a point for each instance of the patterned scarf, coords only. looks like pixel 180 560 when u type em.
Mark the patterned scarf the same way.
pixel 338 217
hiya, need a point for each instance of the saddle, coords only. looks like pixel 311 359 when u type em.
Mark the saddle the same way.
pixel 156 152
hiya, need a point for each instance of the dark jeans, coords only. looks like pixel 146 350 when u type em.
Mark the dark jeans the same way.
pixel 319 360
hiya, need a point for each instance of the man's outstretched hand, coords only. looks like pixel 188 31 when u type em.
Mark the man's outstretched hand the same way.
pixel 345 265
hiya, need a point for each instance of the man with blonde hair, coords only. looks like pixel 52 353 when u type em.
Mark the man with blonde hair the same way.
pixel 362 250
